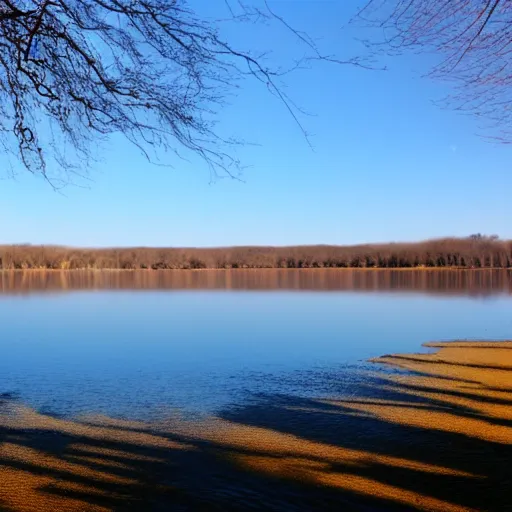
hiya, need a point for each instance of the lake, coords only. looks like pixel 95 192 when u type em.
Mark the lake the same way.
pixel 252 390
pixel 144 344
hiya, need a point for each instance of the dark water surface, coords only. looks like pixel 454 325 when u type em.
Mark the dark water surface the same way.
pixel 143 344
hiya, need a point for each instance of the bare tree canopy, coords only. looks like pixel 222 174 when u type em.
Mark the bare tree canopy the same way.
pixel 73 71
pixel 475 251
pixel 473 39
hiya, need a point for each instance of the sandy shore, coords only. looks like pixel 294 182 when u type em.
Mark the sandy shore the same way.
pixel 437 437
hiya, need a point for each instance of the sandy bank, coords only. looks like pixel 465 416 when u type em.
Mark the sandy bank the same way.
pixel 437 437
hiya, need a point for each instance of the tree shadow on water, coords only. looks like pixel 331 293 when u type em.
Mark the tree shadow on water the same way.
pixel 438 438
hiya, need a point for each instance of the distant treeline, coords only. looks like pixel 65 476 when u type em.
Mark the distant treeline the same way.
pixel 476 251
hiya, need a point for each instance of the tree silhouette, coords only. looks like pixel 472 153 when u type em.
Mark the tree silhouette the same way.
pixel 473 251
pixel 473 40
pixel 73 72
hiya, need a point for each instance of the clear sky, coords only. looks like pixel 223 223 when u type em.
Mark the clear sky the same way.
pixel 387 165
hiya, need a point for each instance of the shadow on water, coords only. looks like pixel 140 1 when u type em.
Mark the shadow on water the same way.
pixel 437 436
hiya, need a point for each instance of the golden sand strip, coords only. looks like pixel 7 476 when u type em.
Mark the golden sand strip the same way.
pixel 86 451
pixel 297 468
pixel 475 377
pixel 101 430
pixel 24 491
pixel 29 456
pixel 479 355
pixel 505 344
pixel 33 480
pixel 278 444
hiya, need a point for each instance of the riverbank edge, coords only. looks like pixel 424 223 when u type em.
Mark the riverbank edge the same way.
pixel 261 269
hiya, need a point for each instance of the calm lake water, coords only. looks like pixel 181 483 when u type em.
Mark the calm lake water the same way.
pixel 145 344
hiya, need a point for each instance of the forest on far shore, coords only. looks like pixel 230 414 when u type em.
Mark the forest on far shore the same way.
pixel 475 251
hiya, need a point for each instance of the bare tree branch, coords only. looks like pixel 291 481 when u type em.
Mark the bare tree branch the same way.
pixel 474 42
pixel 73 72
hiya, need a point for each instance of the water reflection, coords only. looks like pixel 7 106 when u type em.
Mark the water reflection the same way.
pixel 455 282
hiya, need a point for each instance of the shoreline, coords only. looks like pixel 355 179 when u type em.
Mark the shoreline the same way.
pixel 264 269
pixel 437 436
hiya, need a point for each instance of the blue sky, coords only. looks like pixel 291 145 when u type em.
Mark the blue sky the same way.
pixel 387 165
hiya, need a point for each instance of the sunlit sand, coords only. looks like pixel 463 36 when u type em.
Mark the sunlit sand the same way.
pixel 456 401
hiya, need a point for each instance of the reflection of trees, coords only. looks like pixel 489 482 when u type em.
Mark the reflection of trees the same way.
pixel 461 282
